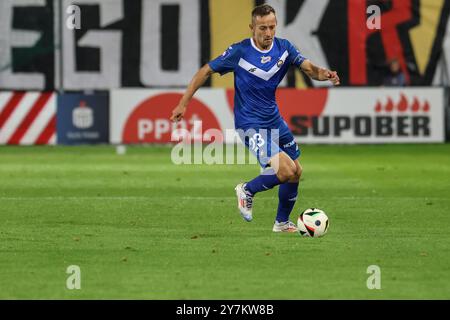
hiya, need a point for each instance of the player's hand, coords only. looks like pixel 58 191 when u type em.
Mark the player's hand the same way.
pixel 178 113
pixel 333 77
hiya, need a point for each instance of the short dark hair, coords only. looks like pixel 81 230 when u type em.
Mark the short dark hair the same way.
pixel 262 10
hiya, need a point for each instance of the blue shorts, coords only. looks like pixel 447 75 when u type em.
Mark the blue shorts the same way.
pixel 266 143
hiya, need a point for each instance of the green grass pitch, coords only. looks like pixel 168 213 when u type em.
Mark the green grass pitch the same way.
pixel 140 227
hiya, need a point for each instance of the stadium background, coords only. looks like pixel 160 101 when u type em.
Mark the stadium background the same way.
pixel 116 80
pixel 161 44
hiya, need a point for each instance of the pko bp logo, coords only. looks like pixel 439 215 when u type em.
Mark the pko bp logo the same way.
pixel 402 119
pixel 82 116
pixel 149 121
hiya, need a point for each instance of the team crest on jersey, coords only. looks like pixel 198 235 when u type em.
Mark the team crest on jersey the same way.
pixel 280 63
pixel 265 59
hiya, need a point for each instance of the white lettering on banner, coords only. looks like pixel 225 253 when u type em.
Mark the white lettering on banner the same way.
pixel 109 42
pixel 145 126
pixel 301 31
pixel 161 126
pixel 158 127
pixel 152 73
pixel 180 131
pixel 375 115
pixel 17 39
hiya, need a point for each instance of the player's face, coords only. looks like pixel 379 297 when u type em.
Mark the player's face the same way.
pixel 263 29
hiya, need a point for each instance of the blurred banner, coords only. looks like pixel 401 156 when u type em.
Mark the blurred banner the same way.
pixel 83 119
pixel 386 115
pixel 142 116
pixel 135 116
pixel 161 43
pixel 27 118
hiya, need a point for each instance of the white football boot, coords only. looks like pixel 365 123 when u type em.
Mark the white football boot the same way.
pixel 287 226
pixel 245 202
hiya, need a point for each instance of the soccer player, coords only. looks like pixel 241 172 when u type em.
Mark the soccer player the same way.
pixel 259 64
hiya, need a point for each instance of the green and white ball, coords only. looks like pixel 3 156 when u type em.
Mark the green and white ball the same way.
pixel 313 222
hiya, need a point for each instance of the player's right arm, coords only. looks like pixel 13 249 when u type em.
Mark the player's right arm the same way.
pixel 197 81
pixel 319 74
pixel 222 64
pixel 313 71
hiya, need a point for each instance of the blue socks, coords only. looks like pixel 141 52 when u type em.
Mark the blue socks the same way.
pixel 287 195
pixel 265 181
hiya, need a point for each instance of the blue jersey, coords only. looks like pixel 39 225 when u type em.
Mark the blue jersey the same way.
pixel 257 75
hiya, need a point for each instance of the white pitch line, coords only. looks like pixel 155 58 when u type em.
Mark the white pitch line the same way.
pixel 211 198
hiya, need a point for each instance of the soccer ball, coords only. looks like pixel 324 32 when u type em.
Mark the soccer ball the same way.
pixel 313 222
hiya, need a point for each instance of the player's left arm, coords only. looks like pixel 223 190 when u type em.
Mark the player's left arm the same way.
pixel 318 73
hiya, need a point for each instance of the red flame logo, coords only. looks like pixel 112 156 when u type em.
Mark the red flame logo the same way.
pixel 403 105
